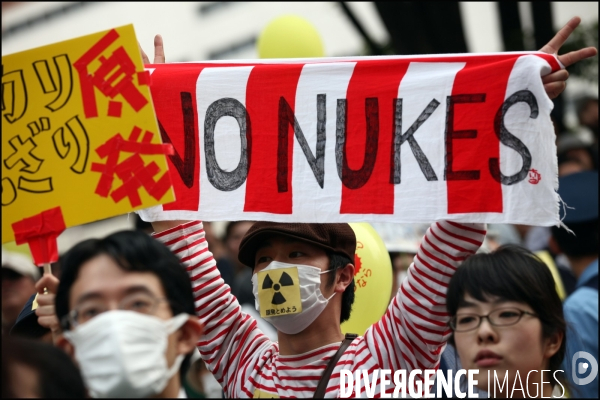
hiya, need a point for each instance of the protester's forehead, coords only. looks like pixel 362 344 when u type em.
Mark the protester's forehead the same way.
pixel 103 277
pixel 489 300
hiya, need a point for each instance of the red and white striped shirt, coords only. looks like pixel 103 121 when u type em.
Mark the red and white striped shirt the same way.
pixel 410 335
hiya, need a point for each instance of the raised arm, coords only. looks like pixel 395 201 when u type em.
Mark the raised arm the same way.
pixel 230 338
pixel 159 52
pixel 415 327
pixel 556 82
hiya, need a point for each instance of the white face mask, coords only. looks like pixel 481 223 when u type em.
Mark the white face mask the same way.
pixel 289 295
pixel 123 353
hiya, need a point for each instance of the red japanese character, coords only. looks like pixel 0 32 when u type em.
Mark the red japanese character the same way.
pixel 106 78
pixel 132 171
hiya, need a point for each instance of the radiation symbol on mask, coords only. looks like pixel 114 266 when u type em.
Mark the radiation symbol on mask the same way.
pixel 279 292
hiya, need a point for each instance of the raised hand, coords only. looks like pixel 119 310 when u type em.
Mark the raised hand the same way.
pixel 555 82
pixel 46 311
pixel 159 52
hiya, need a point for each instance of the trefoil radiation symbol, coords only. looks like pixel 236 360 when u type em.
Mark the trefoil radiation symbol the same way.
pixel 285 280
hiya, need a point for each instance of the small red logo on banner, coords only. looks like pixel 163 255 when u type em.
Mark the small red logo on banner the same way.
pixel 534 176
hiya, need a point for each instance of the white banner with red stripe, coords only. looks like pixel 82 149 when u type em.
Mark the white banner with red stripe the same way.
pixel 465 137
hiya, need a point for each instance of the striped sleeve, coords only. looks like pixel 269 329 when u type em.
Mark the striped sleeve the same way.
pixel 414 329
pixel 230 337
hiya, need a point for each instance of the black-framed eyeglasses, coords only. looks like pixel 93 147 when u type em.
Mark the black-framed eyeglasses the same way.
pixel 141 302
pixel 501 317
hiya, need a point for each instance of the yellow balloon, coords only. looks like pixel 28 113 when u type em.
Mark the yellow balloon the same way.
pixel 372 279
pixel 289 36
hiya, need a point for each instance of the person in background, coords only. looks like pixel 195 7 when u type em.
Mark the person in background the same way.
pixel 141 225
pixel 34 369
pixel 199 383
pixel 224 265
pixel 215 241
pixel 241 284
pixel 27 325
pixel 19 275
pixel 587 115
pixel 535 239
pixel 569 166
pixel 401 260
pixel 571 148
pixel 502 234
pixel 580 192
pixel 402 242
pixel 507 321
pixel 127 314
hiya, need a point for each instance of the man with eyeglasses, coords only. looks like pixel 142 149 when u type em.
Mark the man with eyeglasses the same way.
pixel 127 314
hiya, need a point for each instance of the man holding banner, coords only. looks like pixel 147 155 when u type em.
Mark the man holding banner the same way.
pixel 308 267
pixel 289 261
pixel 301 271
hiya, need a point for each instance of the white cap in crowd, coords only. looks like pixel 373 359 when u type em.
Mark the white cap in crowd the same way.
pixel 403 238
pixel 20 264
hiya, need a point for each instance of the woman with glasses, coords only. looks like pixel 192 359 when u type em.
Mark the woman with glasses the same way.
pixel 507 322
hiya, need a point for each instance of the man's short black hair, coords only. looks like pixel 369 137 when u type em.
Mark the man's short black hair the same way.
pixel 133 251
pixel 336 261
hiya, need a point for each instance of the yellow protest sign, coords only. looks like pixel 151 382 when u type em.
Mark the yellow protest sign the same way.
pixel 79 131
pixel 279 292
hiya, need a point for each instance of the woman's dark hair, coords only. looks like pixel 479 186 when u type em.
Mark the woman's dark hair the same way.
pixel 56 374
pixel 515 274
pixel 133 251
pixel 336 261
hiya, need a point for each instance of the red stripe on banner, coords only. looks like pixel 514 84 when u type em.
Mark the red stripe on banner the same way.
pixel 173 90
pixel 366 186
pixel 551 59
pixel 266 85
pixel 477 95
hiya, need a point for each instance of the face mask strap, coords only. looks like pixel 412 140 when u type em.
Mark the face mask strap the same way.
pixel 177 322
pixel 329 270
pixel 175 367
pixel 325 272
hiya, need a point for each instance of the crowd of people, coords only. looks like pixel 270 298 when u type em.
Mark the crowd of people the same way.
pixel 170 309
